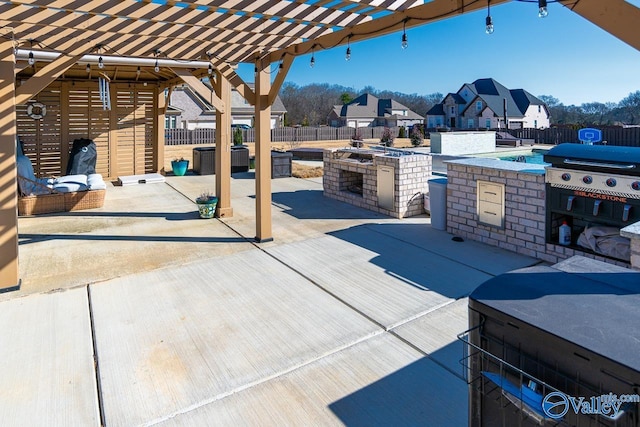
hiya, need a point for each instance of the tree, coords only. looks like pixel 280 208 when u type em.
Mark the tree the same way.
pixel 631 108
pixel 346 98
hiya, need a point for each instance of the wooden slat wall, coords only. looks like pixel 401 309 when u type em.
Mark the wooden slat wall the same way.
pixel 41 138
pixel 135 115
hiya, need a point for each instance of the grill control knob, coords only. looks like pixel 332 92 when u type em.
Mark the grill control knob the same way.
pixel 611 182
pixel 566 176
pixel 587 179
pixel 636 185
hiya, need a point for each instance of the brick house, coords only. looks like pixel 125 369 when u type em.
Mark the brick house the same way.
pixel 368 110
pixel 481 105
pixel 188 110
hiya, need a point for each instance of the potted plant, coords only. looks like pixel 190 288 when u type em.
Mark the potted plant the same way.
pixel 207 203
pixel 179 166
pixel 387 138
pixel 357 141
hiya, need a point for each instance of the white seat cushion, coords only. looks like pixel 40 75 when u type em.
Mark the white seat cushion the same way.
pixel 95 182
pixel 70 183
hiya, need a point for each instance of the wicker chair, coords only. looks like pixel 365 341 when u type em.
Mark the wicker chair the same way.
pixel 50 200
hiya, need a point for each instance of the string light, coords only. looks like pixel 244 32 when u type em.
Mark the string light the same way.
pixel 347 56
pixel 32 60
pixel 313 57
pixel 138 72
pixel 542 9
pixel 489 20
pixel 156 67
pixel 210 70
pixel 88 68
pixel 100 63
pixel 405 42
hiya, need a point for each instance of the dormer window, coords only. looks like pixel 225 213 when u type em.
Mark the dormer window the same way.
pixel 478 105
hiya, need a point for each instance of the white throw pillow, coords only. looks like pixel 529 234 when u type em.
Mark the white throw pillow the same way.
pixel 95 182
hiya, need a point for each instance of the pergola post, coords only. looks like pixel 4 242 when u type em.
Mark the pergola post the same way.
pixel 161 107
pixel 263 153
pixel 8 175
pixel 223 148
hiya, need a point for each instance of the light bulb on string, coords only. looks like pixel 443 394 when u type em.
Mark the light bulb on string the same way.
pixel 156 67
pixel 543 12
pixel 488 21
pixel 347 55
pixel 312 63
pixel 31 59
pixel 138 72
pixel 88 68
pixel 405 41
pixel 100 63
pixel 489 25
pixel 210 70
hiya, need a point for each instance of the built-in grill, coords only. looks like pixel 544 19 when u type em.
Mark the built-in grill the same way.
pixel 591 186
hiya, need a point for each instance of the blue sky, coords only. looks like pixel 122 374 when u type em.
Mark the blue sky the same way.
pixel 562 55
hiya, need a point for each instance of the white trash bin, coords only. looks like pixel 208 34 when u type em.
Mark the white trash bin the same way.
pixel 438 203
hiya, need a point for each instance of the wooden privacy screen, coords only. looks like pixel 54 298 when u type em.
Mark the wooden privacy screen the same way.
pixel 124 136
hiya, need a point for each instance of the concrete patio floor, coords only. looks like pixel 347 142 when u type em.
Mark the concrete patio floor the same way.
pixel 140 313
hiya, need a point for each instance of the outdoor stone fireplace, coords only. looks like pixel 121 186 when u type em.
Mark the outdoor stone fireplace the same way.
pixel 392 183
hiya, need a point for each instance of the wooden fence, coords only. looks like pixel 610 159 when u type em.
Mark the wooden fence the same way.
pixel 284 134
pixel 629 137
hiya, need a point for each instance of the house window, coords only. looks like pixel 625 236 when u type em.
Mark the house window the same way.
pixel 478 105
pixel 469 123
pixel 170 122
pixel 539 109
pixel 487 123
pixel 535 124
pixel 453 110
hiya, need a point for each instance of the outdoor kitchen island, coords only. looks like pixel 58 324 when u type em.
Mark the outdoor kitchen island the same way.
pixel 388 182
pixel 504 204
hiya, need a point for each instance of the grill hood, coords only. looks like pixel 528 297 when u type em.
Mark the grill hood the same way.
pixel 599 158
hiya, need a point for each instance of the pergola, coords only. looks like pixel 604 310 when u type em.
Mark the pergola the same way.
pixel 175 42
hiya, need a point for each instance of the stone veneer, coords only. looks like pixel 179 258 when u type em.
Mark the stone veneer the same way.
pixel 633 232
pixel 411 174
pixel 524 230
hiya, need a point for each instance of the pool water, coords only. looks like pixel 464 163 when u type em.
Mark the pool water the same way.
pixel 535 157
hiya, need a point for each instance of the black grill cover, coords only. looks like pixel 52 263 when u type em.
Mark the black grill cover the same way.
pixel 602 158
pixel 82 160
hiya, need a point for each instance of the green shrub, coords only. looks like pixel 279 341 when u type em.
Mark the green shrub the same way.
pixel 237 137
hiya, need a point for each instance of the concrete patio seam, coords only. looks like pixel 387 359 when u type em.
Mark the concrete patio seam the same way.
pixel 416 316
pixel 265 379
pixel 96 363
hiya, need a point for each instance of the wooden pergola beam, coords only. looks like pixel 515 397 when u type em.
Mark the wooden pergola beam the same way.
pixel 617 17
pixel 200 88
pixel 432 11
pixel 287 61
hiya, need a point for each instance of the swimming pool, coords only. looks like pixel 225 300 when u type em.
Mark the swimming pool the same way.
pixel 534 157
